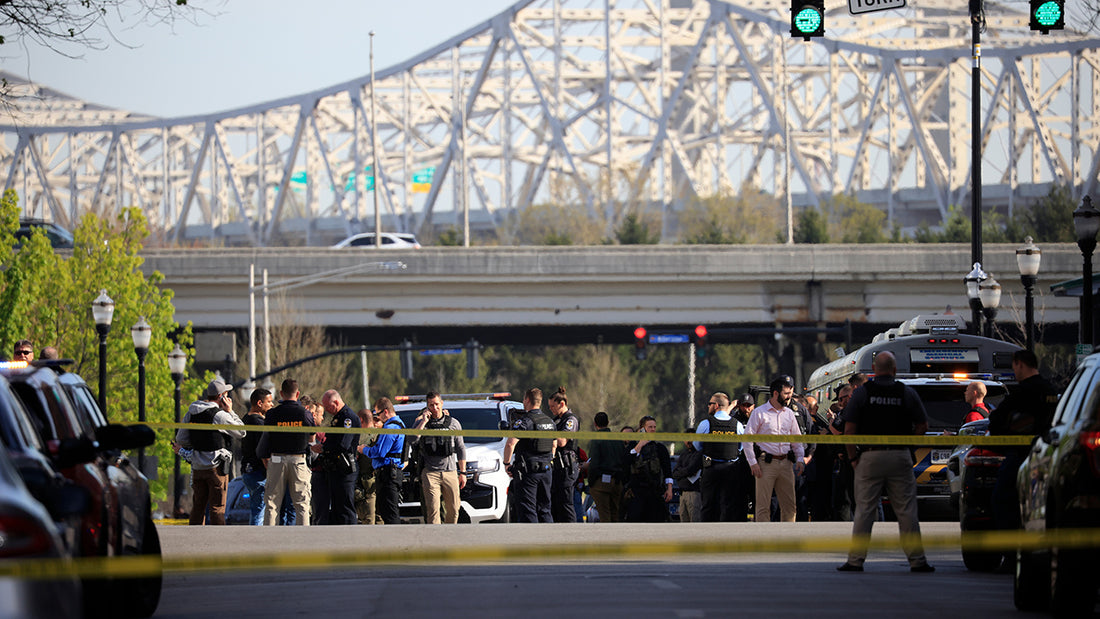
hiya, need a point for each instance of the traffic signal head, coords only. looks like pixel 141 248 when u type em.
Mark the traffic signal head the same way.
pixel 807 18
pixel 639 343
pixel 1047 15
pixel 699 338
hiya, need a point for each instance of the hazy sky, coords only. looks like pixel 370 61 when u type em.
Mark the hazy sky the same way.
pixel 247 51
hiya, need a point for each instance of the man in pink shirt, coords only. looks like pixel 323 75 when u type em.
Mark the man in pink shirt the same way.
pixel 778 463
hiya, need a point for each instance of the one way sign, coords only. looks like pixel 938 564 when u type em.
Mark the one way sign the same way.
pixel 855 7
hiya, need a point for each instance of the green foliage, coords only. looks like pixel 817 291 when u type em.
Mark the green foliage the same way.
pixel 47 299
pixel 634 231
pixel 555 224
pixel 450 237
pixel 1049 220
pixel 853 221
pixel 811 227
pixel 750 217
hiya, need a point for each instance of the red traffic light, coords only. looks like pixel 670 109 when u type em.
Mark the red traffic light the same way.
pixel 639 333
pixel 701 331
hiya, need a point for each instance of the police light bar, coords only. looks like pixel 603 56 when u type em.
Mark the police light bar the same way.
pixel 13 365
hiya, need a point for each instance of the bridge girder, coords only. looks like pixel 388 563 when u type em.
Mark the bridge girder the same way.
pixel 617 105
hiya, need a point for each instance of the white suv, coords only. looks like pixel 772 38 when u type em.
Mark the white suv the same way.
pixel 390 240
pixel 485 497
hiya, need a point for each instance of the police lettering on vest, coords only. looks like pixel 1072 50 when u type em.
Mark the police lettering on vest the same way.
pixel 886 412
pixel 724 450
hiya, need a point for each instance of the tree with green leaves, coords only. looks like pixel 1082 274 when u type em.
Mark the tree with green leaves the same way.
pixel 47 298
pixel 811 227
pixel 635 231
pixel 749 217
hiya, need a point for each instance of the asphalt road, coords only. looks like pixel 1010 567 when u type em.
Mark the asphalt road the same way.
pixel 414 579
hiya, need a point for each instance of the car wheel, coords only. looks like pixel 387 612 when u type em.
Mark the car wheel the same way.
pixel 981 561
pixel 1072 583
pixel 1030 585
pixel 140 596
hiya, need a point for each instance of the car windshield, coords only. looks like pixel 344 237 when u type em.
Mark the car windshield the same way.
pixel 471 418
pixel 946 405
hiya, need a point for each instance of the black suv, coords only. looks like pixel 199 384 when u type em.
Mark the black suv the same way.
pixel 1059 487
pixel 972 473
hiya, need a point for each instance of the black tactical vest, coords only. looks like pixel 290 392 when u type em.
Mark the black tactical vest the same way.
pixel 722 451
pixel 885 412
pixel 206 440
pixel 571 444
pixel 537 447
pixel 440 446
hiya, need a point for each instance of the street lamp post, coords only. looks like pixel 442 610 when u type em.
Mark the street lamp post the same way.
pixel 1028 258
pixel 973 279
pixel 1086 221
pixel 977 22
pixel 103 310
pixel 989 292
pixel 177 363
pixel 142 334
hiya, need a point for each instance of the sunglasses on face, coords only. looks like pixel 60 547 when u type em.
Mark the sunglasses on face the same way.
pixel 23 352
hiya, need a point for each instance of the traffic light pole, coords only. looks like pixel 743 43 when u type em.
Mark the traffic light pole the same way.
pixel 977 19
pixel 691 384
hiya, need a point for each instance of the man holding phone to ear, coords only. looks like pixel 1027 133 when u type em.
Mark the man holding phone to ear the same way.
pixel 208 451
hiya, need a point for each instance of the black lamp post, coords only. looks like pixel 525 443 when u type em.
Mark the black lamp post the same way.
pixel 177 363
pixel 141 333
pixel 1086 221
pixel 103 310
pixel 973 279
pixel 1028 258
pixel 989 293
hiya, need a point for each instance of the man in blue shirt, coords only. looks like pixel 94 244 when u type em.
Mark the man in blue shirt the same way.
pixel 385 457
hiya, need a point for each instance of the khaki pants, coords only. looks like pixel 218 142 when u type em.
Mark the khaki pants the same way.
pixel 437 484
pixel 778 476
pixel 287 473
pixel 608 497
pixel 889 470
pixel 691 506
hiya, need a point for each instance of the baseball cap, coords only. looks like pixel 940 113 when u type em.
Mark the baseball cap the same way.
pixel 216 388
pixel 746 398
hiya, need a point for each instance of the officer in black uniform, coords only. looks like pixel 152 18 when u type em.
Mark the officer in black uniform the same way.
pixel 566 463
pixel 719 482
pixel 339 463
pixel 1027 410
pixel 531 469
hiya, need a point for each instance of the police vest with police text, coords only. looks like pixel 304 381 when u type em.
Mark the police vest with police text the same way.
pixel 537 447
pixel 724 450
pixel 886 412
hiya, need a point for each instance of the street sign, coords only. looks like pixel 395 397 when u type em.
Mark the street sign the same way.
pixel 441 351
pixel 855 7
pixel 668 338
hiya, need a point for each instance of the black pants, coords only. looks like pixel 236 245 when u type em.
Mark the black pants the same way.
pixel 319 498
pixel 646 504
pixel 532 501
pixel 561 493
pixel 745 493
pixel 387 500
pixel 341 492
pixel 718 487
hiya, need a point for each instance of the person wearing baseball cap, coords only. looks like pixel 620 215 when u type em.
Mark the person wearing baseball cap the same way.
pixel 208 450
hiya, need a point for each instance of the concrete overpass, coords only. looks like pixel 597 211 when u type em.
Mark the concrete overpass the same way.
pixel 590 294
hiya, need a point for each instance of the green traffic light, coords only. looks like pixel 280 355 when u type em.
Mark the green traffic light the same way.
pixel 808 19
pixel 1048 13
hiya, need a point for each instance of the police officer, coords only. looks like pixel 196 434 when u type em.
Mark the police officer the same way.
pixel 208 451
pixel 1028 410
pixel 719 482
pixel 884 406
pixel 566 463
pixel 339 463
pixel 285 455
pixel 531 469
pixel 386 457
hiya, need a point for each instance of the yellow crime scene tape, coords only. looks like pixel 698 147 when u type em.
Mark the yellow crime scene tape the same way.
pixel 900 439
pixel 138 566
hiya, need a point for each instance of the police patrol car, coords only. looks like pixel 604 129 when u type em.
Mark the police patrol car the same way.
pixel 485 497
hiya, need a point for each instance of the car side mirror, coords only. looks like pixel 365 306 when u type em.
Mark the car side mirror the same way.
pixel 503 425
pixel 74 451
pixel 118 436
pixel 953 466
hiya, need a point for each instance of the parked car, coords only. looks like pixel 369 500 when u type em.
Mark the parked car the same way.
pixel 119 520
pixel 27 531
pixel 971 475
pixel 1059 488
pixel 58 237
pixel 390 240
pixel 485 497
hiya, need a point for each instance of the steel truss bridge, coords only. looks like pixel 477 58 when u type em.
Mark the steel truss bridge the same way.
pixel 613 106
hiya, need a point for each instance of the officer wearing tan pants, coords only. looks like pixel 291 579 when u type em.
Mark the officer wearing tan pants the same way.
pixel 778 462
